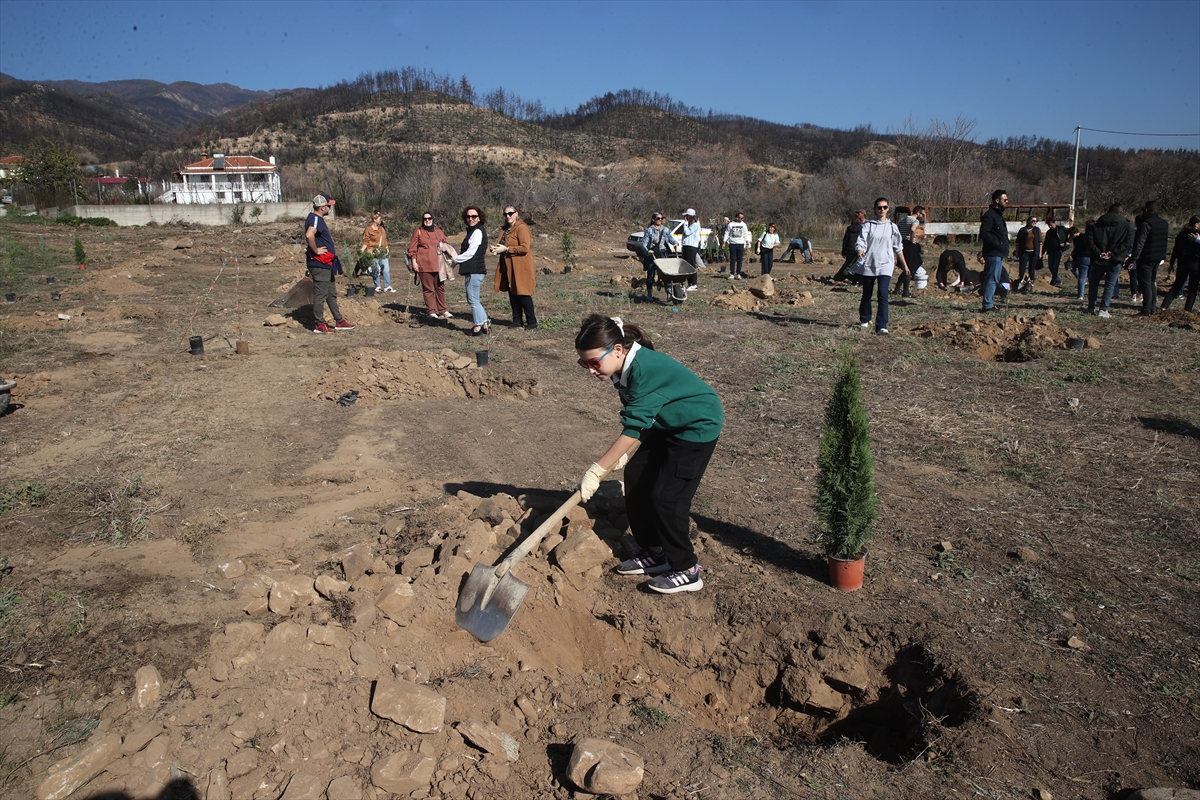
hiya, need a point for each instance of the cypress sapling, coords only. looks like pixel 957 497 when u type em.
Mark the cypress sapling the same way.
pixel 846 503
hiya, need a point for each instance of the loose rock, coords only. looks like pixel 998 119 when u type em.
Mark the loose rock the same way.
pixel 415 707
pixel 147 691
pixel 489 738
pixel 88 765
pixel 603 767
pixel 403 773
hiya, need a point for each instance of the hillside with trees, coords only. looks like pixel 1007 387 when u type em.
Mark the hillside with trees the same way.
pixel 410 139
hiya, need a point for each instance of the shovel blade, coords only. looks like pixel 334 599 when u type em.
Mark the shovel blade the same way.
pixel 487 604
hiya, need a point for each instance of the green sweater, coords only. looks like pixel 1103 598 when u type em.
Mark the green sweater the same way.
pixel 658 393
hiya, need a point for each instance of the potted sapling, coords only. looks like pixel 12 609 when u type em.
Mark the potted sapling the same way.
pixel 846 503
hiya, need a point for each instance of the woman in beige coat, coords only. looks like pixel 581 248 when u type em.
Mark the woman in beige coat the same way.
pixel 423 250
pixel 514 273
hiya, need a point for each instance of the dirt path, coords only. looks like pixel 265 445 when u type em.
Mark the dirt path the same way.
pixel 1052 645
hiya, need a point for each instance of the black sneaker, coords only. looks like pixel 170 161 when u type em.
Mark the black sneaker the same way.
pixel 671 582
pixel 646 563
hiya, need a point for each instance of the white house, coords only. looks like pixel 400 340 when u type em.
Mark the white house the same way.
pixel 225 179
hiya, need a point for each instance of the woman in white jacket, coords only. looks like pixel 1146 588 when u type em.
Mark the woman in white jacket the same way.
pixel 879 248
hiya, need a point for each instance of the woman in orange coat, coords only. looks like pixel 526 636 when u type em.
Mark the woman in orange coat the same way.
pixel 423 250
pixel 514 273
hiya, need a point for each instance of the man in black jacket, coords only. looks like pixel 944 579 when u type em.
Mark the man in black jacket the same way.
pixel 849 251
pixel 993 234
pixel 1055 244
pixel 1149 251
pixel 1111 239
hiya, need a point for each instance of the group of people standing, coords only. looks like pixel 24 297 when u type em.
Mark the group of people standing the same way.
pixel 432 260
pixel 1099 251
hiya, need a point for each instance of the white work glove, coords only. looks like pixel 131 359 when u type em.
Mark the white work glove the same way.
pixel 590 482
pixel 621 462
pixel 500 248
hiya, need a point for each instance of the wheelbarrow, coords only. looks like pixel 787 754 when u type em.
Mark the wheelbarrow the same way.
pixel 491 596
pixel 674 274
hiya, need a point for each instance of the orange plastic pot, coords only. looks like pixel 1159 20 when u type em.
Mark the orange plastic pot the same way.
pixel 846 574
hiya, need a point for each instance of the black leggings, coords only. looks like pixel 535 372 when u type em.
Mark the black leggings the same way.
pixel 660 481
pixel 522 306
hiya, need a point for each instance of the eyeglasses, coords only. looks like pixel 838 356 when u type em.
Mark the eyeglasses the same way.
pixel 510 213
pixel 472 216
pixel 594 363
pixel 427 219
pixel 881 208
pixel 657 218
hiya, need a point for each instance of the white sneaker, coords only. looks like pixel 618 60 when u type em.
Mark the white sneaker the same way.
pixel 447 315
pixel 693 288
pixel 389 289
pixel 1103 314
pixel 731 276
pixel 864 325
pixel 881 332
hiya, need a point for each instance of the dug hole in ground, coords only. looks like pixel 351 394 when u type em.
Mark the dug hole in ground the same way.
pixel 215 574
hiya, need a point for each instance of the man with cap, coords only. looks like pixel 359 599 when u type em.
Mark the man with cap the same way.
pixel 324 267
pixel 691 245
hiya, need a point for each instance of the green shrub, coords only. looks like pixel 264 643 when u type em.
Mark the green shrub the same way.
pixel 97 222
pixel 80 255
pixel 846 503
pixel 568 250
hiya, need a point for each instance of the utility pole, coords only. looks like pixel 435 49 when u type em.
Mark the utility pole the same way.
pixel 1075 177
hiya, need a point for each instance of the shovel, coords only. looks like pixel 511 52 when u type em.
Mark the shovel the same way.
pixel 491 596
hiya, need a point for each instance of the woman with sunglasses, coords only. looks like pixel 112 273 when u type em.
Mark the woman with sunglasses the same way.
pixel 514 273
pixel 472 265
pixel 423 249
pixel 879 247
pixel 677 417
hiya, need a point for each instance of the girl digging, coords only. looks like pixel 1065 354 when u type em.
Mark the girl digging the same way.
pixel 677 417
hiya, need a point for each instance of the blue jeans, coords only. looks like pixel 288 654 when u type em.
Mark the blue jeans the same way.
pixel 1112 274
pixel 382 274
pixel 1081 271
pixel 992 266
pixel 478 314
pixel 737 253
pixel 879 283
pixel 797 244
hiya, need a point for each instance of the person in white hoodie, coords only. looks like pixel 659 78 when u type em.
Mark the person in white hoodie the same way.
pixel 879 247
pixel 737 236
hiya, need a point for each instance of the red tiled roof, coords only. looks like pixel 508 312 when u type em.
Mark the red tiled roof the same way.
pixel 232 164
pixel 12 160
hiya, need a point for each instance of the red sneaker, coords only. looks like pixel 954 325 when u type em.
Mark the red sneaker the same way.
pixel 344 325
pixel 322 328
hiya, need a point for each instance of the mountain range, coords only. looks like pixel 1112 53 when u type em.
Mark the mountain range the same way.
pixel 112 120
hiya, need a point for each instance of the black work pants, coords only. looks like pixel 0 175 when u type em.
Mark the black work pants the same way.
pixel 522 310
pixel 660 481
pixel 1148 277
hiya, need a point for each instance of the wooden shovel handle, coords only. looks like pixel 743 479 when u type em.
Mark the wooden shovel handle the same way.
pixel 554 520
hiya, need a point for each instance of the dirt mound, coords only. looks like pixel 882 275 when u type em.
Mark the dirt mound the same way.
pixel 1003 339
pixel 114 282
pixel 1177 318
pixel 377 376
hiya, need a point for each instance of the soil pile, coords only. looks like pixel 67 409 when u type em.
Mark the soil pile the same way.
pixel 1004 339
pixel 408 703
pixel 1177 318
pixel 379 376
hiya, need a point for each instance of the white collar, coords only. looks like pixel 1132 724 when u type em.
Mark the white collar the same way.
pixel 623 378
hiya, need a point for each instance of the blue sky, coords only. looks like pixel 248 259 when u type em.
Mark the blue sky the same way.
pixel 1015 68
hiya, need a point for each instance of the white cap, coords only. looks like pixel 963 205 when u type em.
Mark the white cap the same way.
pixel 691 212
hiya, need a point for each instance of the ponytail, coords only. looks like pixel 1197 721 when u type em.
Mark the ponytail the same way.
pixel 599 332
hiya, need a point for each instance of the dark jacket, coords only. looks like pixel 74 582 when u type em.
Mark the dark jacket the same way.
pixel 1081 245
pixel 1030 239
pixel 1186 250
pixel 1112 234
pixel 1056 239
pixel 850 239
pixel 993 233
pixel 1150 244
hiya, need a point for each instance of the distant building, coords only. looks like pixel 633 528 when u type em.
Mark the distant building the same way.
pixel 9 166
pixel 225 179
pixel 117 184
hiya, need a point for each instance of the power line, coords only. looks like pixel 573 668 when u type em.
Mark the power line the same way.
pixel 1127 133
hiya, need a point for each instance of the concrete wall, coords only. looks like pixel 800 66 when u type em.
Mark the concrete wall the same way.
pixel 163 213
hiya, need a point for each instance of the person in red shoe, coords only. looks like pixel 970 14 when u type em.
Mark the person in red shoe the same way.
pixel 324 267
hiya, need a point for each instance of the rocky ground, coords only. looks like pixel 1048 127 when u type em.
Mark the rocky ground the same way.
pixel 214 578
